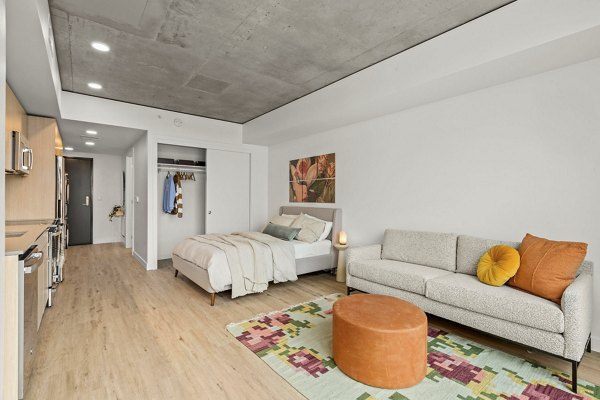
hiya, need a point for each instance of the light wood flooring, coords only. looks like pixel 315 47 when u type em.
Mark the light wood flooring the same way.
pixel 118 332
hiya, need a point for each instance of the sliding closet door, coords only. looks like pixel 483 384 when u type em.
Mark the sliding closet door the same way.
pixel 227 191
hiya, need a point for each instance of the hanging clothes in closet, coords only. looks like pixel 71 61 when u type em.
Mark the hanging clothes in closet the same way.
pixel 178 201
pixel 169 194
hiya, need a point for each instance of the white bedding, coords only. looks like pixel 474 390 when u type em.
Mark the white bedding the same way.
pixel 215 262
pixel 305 250
pixel 251 259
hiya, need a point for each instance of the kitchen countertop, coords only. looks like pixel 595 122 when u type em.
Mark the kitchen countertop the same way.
pixel 18 245
pixel 30 222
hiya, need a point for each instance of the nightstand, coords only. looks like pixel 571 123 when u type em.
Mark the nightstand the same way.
pixel 340 275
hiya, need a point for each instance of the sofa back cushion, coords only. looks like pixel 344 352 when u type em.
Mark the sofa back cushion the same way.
pixel 471 248
pixel 431 249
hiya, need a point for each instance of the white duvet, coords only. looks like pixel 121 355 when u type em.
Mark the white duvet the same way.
pixel 251 258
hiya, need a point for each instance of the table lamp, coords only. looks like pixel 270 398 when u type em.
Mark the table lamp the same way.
pixel 343 238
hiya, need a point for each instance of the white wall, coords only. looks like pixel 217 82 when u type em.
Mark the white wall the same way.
pixel 157 122
pixel 171 229
pixel 2 188
pixel 140 200
pixel 129 204
pixel 106 193
pixel 498 163
pixel 33 68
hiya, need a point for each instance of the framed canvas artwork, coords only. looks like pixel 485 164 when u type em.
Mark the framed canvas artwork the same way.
pixel 312 179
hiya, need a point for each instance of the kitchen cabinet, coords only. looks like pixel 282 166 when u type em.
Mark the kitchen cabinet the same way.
pixel 16 117
pixel 16 120
pixel 10 291
pixel 33 196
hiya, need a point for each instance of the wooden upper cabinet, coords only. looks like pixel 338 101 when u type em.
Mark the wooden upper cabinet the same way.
pixel 34 196
pixel 16 118
pixel 58 143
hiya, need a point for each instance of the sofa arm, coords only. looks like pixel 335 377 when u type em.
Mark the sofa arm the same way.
pixel 576 305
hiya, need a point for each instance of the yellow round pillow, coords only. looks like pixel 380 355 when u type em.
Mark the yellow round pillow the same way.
pixel 498 265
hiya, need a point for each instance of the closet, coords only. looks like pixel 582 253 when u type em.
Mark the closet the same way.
pixel 171 228
pixel 216 200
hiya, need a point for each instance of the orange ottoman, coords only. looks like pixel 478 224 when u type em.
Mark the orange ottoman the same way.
pixel 380 341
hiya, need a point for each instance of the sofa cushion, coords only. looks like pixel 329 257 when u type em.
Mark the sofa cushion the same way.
pixel 548 267
pixel 396 274
pixel 470 249
pixel 498 265
pixel 502 302
pixel 431 249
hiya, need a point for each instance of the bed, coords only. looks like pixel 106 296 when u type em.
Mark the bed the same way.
pixel 212 272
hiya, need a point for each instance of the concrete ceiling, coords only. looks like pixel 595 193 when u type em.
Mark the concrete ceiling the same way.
pixel 109 139
pixel 235 60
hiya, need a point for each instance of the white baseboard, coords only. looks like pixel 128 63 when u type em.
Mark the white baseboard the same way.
pixel 140 259
pixel 596 343
pixel 105 240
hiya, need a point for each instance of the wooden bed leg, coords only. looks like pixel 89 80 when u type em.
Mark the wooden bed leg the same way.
pixel 213 297
pixel 176 272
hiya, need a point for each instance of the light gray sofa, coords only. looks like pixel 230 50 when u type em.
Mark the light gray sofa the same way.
pixel 437 272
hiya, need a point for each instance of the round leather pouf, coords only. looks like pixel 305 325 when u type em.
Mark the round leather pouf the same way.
pixel 380 341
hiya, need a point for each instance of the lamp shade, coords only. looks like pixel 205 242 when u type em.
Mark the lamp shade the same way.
pixel 343 238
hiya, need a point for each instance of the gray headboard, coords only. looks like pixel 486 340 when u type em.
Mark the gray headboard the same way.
pixel 327 214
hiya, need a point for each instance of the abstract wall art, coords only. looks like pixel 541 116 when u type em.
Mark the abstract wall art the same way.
pixel 312 179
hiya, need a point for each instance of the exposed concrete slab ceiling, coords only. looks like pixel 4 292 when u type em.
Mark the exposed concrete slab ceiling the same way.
pixel 237 59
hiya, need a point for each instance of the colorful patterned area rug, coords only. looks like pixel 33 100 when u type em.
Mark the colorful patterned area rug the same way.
pixel 296 343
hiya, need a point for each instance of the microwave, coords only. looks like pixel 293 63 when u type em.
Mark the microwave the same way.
pixel 19 156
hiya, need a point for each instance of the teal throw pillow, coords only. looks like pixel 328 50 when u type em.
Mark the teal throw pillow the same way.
pixel 281 231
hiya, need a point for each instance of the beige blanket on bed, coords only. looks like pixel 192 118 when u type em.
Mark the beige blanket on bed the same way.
pixel 249 256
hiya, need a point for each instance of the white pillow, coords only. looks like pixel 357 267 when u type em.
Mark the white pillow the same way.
pixel 328 227
pixel 285 220
pixel 311 229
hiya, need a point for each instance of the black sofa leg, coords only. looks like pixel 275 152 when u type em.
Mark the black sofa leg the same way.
pixel 574 365
pixel 589 345
pixel 348 290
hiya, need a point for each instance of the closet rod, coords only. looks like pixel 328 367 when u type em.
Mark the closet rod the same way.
pixel 180 168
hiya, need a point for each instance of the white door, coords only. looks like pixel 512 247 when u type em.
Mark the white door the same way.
pixel 227 191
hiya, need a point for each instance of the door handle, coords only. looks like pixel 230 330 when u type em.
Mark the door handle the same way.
pixel 30 159
pixel 87 201
pixel 32 262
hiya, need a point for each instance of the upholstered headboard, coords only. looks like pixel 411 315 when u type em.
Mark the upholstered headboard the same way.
pixel 326 214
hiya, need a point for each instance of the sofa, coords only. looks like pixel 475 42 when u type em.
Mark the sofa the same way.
pixel 437 272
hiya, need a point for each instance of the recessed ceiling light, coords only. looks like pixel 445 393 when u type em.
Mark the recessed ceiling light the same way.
pixel 94 85
pixel 91 132
pixel 90 143
pixel 68 148
pixel 103 47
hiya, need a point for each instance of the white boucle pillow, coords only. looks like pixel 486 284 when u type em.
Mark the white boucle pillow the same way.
pixel 311 228
pixel 328 227
pixel 285 220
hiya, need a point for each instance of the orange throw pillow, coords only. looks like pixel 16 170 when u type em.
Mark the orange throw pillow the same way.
pixel 547 267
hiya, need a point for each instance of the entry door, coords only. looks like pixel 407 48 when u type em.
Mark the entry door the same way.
pixel 227 191
pixel 79 200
